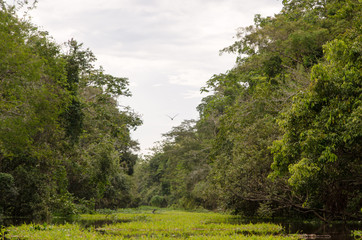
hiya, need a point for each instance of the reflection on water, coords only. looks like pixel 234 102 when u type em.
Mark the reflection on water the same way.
pixel 315 230
pixel 337 231
pixel 57 221
pixel 14 221
pixel 90 223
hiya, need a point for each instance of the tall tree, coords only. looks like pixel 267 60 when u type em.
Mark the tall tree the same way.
pixel 320 152
pixel 60 125
pixel 32 94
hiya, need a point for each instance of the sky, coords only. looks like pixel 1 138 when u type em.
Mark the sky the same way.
pixel 167 49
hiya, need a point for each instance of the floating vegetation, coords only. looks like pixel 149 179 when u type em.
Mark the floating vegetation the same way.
pixel 160 225
pixel 357 234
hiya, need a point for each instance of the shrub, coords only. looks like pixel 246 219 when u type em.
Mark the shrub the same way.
pixel 158 201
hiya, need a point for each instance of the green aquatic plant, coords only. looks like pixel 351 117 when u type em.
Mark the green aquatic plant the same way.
pixel 357 234
pixel 164 224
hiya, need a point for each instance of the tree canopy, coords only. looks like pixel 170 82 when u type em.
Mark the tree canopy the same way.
pixel 279 134
pixel 64 141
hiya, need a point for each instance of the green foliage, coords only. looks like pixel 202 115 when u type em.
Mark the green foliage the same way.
pixel 171 176
pixel 277 59
pixel 289 109
pixel 8 191
pixel 320 151
pixel 63 140
pixel 158 201
pixel 278 132
pixel 63 205
pixel 357 234
pixel 264 211
pixel 32 99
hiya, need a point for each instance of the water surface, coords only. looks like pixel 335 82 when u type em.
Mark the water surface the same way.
pixel 315 230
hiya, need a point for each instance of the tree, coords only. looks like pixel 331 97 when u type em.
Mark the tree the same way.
pixel 32 98
pixel 321 148
pixel 176 174
pixel 275 60
pixel 59 125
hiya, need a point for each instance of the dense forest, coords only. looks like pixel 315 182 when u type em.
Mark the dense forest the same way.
pixel 65 143
pixel 279 134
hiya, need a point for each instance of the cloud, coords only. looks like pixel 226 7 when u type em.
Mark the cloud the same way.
pixel 190 77
pixel 167 49
pixel 192 94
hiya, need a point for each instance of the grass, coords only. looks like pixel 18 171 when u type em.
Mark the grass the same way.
pixel 142 224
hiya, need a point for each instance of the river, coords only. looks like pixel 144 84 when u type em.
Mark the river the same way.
pixel 311 229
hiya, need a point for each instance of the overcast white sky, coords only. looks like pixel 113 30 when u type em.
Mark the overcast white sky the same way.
pixel 167 48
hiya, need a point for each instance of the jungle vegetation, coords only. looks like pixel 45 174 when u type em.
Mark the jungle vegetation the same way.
pixel 64 141
pixel 279 134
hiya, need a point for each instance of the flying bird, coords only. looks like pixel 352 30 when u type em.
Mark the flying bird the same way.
pixel 172 118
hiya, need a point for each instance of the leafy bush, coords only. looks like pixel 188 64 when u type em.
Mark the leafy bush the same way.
pixel 63 205
pixel 158 201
